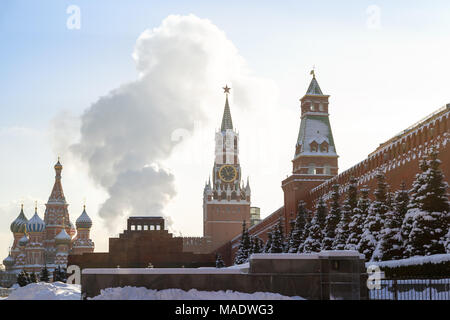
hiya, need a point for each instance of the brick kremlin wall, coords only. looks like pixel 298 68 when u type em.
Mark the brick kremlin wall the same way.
pixel 398 158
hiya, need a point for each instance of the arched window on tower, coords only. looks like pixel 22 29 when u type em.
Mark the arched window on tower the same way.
pixel 313 146
pixel 311 168
pixel 324 147
pixel 327 169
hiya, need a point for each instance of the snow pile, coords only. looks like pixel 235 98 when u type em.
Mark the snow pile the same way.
pixel 62 291
pixel 47 291
pixel 135 293
pixel 418 260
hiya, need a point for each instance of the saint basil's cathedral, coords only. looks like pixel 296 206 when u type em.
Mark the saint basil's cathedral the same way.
pixel 38 243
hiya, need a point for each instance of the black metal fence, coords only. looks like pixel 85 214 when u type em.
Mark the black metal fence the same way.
pixel 412 289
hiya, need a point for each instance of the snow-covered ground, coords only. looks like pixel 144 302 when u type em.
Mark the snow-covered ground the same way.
pixel 46 291
pixel 133 293
pixel 62 291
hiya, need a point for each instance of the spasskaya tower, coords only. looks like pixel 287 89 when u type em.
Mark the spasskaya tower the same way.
pixel 226 200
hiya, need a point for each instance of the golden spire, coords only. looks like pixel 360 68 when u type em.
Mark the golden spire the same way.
pixel 35 206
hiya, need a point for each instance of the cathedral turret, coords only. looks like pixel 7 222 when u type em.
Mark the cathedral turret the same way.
pixel 35 251
pixel 55 214
pixel 82 242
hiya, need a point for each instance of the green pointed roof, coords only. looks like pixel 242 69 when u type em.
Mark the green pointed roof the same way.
pixel 227 123
pixel 314 88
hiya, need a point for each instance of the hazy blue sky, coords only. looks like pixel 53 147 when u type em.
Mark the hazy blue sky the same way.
pixel 384 63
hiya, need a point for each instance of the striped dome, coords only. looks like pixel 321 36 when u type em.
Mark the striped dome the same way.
pixel 63 237
pixel 35 224
pixel 8 261
pixel 19 224
pixel 83 220
pixel 23 241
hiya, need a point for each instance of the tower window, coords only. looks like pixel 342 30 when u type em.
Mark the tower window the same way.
pixel 321 108
pixel 312 168
pixel 313 146
pixel 324 147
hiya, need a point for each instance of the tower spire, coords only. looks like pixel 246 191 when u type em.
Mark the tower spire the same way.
pixel 314 88
pixel 227 123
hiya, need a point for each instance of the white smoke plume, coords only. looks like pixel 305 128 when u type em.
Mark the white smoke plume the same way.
pixel 127 134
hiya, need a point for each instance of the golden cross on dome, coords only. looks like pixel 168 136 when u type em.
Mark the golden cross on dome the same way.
pixel 226 89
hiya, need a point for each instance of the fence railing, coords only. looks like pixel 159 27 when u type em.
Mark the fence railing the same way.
pixel 412 289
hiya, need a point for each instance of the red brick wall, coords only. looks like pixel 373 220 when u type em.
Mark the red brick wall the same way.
pixel 398 157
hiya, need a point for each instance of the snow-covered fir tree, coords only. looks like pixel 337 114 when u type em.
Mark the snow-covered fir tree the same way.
pixel 332 219
pixel 244 247
pixel 431 219
pixel 343 229
pixel 44 275
pixel 313 242
pixel 308 219
pixel 358 218
pixel 390 247
pixel 447 242
pixel 298 232
pixel 413 207
pixel 34 278
pixel 375 219
pixel 219 261
pixel 287 241
pixel 268 243
pixel 23 278
pixel 257 245
pixel 277 238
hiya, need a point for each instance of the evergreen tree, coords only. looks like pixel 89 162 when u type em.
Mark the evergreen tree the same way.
pixel 219 261
pixel 257 245
pixel 313 243
pixel 431 218
pixel 298 231
pixel 305 233
pixel 277 238
pixel 447 242
pixel 390 247
pixel 358 218
pixel 332 219
pixel 413 207
pixel 244 247
pixel 33 278
pixel 44 276
pixel 375 219
pixel 23 278
pixel 343 229
pixel 287 241
pixel 268 242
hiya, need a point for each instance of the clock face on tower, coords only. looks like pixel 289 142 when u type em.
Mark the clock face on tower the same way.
pixel 227 173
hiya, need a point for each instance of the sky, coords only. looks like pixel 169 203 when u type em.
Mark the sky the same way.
pixel 129 95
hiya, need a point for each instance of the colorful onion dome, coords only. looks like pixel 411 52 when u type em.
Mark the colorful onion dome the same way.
pixel 8 261
pixel 19 224
pixel 23 241
pixel 84 221
pixel 35 224
pixel 63 237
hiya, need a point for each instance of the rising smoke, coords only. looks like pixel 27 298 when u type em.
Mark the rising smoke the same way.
pixel 127 134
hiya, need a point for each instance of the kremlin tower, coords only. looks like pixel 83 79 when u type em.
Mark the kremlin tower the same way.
pixel 226 200
pixel 48 242
pixel 315 159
